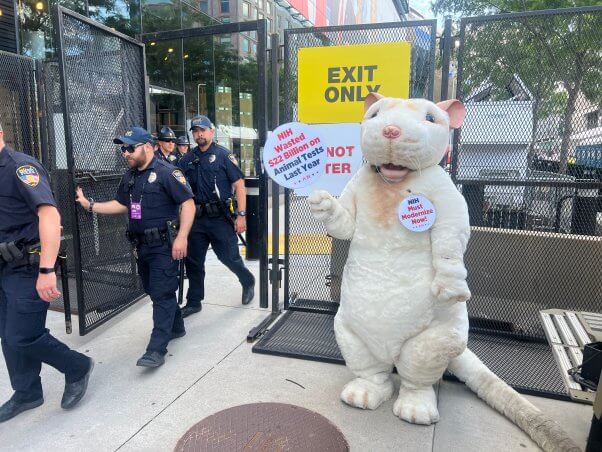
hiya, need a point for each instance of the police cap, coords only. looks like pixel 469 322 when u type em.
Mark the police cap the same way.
pixel 133 136
pixel 182 139
pixel 166 134
pixel 201 121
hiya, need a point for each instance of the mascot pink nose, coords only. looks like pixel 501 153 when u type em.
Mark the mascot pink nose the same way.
pixel 391 132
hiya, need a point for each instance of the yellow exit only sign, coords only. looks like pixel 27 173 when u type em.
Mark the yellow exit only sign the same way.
pixel 334 81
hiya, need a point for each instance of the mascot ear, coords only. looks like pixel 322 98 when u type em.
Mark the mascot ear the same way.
pixel 371 99
pixel 456 111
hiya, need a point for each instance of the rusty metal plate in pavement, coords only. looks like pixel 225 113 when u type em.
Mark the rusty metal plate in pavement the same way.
pixel 266 427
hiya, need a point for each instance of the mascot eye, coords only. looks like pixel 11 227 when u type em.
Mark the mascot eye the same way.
pixel 374 114
pixel 430 118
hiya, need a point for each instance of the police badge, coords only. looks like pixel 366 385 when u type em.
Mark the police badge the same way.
pixel 233 159
pixel 152 177
pixel 179 176
pixel 29 175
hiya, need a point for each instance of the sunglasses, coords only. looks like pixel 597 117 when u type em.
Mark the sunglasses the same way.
pixel 130 149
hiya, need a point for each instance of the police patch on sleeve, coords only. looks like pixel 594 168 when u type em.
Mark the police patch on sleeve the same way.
pixel 29 175
pixel 179 176
pixel 233 159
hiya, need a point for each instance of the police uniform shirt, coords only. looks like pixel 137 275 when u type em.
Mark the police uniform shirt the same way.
pixel 172 158
pixel 205 170
pixel 24 186
pixel 159 188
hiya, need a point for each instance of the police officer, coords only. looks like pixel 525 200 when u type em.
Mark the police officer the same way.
pixel 166 142
pixel 151 193
pixel 212 171
pixel 29 220
pixel 183 145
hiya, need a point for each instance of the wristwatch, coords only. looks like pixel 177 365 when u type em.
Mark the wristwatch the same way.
pixel 46 270
pixel 242 213
pixel 91 207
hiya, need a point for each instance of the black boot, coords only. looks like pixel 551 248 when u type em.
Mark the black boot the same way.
pixel 76 390
pixel 151 359
pixel 248 293
pixel 13 407
pixel 178 334
pixel 191 309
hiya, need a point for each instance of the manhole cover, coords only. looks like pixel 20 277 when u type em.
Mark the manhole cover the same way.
pixel 265 427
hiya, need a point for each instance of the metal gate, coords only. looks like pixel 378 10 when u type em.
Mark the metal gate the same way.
pixel 102 92
pixel 313 268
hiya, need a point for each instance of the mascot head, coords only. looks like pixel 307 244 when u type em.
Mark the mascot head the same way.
pixel 403 135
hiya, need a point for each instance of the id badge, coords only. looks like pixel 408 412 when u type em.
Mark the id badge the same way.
pixel 136 211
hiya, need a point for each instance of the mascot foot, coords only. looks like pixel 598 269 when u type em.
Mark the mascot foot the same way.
pixel 418 406
pixel 362 393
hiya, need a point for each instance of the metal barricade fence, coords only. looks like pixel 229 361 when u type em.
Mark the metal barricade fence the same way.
pixel 530 83
pixel 313 261
pixel 102 93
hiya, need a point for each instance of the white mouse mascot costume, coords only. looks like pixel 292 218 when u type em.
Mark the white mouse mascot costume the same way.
pixel 403 292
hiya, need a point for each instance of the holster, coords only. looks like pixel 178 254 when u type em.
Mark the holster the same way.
pixel 15 254
pixel 172 231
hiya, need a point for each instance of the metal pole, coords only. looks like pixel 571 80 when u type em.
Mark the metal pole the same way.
pixel 263 183
pixel 81 306
pixel 447 49
pixel 275 277
pixel 456 143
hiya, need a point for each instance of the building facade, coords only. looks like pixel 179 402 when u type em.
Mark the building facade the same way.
pixel 212 75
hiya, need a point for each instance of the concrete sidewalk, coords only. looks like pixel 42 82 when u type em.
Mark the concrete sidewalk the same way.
pixel 213 368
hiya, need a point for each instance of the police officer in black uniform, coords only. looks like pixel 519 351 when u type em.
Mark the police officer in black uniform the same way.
pixel 151 193
pixel 212 171
pixel 30 221
pixel 166 141
pixel 183 145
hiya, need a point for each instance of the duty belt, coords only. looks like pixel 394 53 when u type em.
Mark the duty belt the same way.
pixel 213 209
pixel 152 236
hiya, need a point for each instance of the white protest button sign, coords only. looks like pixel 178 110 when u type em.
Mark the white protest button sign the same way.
pixel 417 213
pixel 344 154
pixel 294 155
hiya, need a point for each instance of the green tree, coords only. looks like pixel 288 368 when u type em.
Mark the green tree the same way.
pixel 558 57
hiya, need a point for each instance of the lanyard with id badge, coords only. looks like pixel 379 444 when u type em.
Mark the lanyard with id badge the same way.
pixel 136 207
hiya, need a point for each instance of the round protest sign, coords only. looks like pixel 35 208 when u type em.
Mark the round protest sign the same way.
pixel 294 155
pixel 417 213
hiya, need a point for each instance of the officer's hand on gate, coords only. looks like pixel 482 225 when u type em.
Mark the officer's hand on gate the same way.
pixel 46 287
pixel 179 248
pixel 241 225
pixel 81 199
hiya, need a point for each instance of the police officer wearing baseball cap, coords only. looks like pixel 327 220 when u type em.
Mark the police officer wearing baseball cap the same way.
pixel 166 141
pixel 30 223
pixel 212 170
pixel 183 145
pixel 151 193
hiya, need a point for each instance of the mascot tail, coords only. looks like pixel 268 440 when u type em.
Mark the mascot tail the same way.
pixel 489 387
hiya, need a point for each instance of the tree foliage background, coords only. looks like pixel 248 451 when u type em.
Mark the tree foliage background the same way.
pixel 558 57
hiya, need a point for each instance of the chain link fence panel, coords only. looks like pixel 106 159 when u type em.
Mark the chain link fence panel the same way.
pixel 528 160
pixel 18 103
pixel 314 260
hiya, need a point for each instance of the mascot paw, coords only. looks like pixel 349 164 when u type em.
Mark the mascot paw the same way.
pixel 450 290
pixel 321 204
pixel 417 406
pixel 362 393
